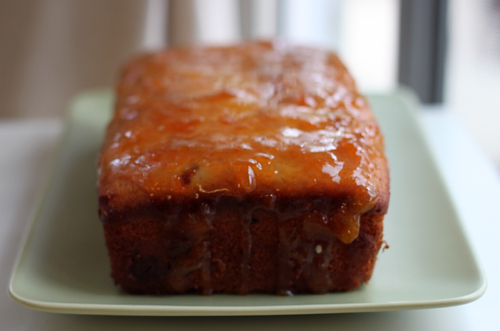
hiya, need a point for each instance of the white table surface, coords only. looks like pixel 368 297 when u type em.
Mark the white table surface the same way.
pixel 25 150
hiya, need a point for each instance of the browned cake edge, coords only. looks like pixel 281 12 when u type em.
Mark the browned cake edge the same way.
pixel 153 251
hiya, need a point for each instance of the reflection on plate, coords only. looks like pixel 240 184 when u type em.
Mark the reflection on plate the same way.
pixel 63 266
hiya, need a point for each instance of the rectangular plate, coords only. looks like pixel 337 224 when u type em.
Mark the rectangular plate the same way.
pixel 63 264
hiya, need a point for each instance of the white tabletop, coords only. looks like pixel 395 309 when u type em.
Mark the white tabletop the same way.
pixel 26 148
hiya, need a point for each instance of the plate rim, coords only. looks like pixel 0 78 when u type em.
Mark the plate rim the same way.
pixel 167 310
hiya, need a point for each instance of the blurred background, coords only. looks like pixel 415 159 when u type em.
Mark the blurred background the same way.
pixel 447 51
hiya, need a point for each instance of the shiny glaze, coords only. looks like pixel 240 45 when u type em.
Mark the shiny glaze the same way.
pixel 263 121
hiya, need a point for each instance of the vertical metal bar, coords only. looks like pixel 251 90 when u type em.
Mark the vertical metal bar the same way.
pixel 423 47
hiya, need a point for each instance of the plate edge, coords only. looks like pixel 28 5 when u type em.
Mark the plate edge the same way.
pixel 48 175
pixel 115 310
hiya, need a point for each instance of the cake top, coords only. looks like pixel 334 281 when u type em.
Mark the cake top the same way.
pixel 253 120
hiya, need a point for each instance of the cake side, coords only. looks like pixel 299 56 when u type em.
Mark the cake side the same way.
pixel 250 168
pixel 232 246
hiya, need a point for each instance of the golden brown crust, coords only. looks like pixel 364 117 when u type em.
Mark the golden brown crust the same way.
pixel 223 166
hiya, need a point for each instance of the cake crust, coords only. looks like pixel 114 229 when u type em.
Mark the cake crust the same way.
pixel 250 168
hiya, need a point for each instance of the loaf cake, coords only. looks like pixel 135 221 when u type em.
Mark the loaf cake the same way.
pixel 254 168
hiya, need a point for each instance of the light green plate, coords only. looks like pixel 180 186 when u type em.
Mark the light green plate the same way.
pixel 63 265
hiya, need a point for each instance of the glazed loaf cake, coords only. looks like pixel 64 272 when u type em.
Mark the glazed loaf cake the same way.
pixel 255 168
